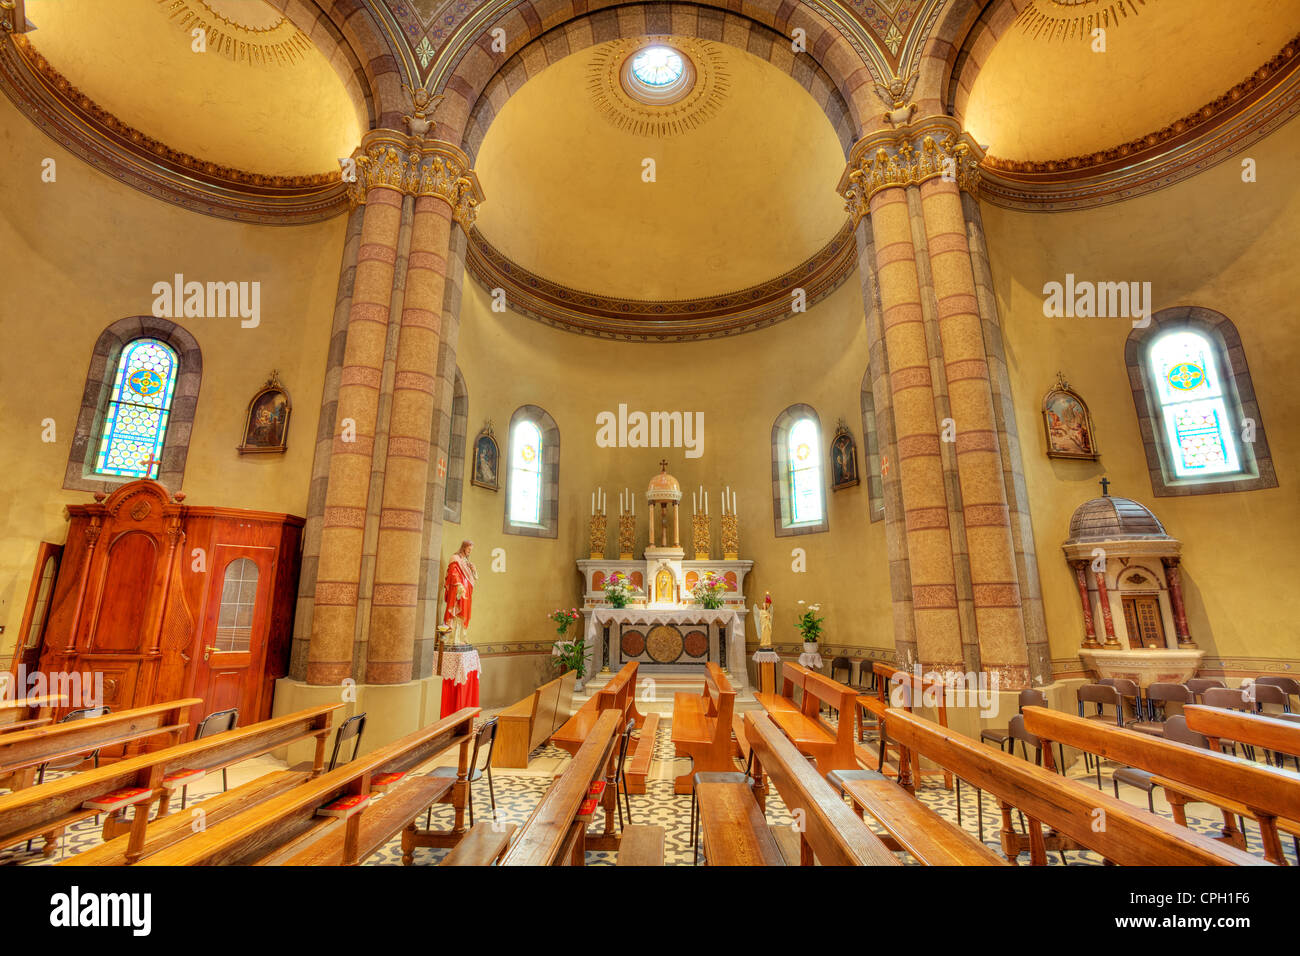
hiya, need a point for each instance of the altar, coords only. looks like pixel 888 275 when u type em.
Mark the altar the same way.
pixel 663 628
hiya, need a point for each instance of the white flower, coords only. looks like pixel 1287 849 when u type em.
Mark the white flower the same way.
pixel 814 607
pixel 801 602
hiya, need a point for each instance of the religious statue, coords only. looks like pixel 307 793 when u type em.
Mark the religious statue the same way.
pixel 763 621
pixel 459 592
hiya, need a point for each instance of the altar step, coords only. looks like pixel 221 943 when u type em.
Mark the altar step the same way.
pixel 666 685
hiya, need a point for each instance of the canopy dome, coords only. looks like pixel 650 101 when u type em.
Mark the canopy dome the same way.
pixel 663 486
pixel 1108 517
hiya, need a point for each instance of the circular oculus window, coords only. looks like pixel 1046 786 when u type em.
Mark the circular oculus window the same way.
pixel 658 74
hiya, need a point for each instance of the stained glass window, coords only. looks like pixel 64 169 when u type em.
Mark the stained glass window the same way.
pixel 526 474
pixel 135 423
pixel 804 450
pixel 1193 405
pixel 658 66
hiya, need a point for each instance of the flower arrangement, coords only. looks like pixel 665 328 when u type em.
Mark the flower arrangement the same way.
pixel 809 624
pixel 618 589
pixel 708 592
pixel 568 655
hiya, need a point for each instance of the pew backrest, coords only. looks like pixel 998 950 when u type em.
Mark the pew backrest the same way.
pixel 722 698
pixel 833 832
pixel 1258 730
pixel 1130 836
pixel 277 823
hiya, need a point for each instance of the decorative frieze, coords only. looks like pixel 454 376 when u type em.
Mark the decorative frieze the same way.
pixel 932 148
pixel 417 167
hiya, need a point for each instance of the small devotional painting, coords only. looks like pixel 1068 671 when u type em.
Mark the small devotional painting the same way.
pixel 486 460
pixel 266 428
pixel 1068 423
pixel 844 458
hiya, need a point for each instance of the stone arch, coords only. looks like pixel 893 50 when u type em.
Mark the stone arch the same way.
pixel 641 19
pixel 473 67
pixel 1242 402
pixel 79 475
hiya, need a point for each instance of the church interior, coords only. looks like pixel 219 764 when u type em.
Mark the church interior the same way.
pixel 588 432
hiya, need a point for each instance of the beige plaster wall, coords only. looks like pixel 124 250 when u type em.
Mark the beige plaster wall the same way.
pixel 84 251
pixel 1211 241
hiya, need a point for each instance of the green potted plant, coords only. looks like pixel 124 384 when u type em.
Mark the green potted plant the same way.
pixel 810 626
pixel 568 654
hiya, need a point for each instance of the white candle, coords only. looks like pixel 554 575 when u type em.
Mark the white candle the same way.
pixel 694 509
pixel 733 503
pixel 593 504
pixel 706 502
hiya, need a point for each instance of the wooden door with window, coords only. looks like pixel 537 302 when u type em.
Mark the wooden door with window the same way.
pixel 31 633
pixel 1142 616
pixel 233 638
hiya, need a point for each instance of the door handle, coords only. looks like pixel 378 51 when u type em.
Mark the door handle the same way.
pixel 207 650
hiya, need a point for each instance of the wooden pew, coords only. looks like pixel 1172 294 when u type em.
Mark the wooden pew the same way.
pixel 554 834
pixel 832 748
pixel 25 724
pixel 832 833
pixel 702 727
pixel 896 687
pixel 792 680
pixel 641 845
pixel 483 845
pixel 619 694
pixel 21 752
pixel 912 826
pixel 44 809
pixel 1130 836
pixel 1258 730
pixel 1189 774
pixel 287 830
pixel 733 827
pixel 32 707
pixel 526 725
pixel 638 759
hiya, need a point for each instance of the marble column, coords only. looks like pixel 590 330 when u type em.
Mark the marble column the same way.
pixel 391 167
pixel 934 592
pixel 995 586
pixel 1103 598
pixel 1085 600
pixel 1173 574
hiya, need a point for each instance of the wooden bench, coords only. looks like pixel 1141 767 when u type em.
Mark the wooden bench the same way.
pixel 1129 836
pixel 31 707
pixel 641 845
pixel 792 680
pixel 832 747
pixel 702 727
pixel 555 834
pixel 619 694
pixel 22 751
pixel 1190 774
pixel 483 845
pixel 25 724
pixel 899 688
pixel 287 829
pixel 526 725
pixel 1258 730
pixel 733 827
pixel 47 808
pixel 638 763
pixel 173 828
pixel 912 826
pixel 830 832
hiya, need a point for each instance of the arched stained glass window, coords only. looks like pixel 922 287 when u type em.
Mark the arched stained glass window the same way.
pixel 135 422
pixel 1193 407
pixel 804 456
pixel 526 473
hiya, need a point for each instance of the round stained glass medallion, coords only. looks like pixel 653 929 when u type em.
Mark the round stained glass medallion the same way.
pixel 528 452
pixel 802 452
pixel 145 382
pixel 658 66
pixel 1186 376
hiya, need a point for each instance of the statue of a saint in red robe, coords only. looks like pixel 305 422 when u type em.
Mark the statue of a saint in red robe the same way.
pixel 459 592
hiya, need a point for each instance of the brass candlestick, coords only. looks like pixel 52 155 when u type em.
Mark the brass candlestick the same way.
pixel 626 536
pixel 730 538
pixel 700 536
pixel 597 536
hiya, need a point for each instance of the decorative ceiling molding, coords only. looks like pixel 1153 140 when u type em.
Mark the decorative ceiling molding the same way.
pixel 641 320
pixel 604 83
pixel 1245 114
pixel 82 127
pixel 282 44
pixel 1074 20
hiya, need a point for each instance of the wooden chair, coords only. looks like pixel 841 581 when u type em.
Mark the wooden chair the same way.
pixel 350 729
pixel 1288 684
pixel 1199 685
pixel 1231 698
pixel 1128 691
pixel 1159 697
pixel 1176 731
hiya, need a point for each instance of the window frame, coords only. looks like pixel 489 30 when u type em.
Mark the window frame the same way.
pixel 548 525
pixel 117 399
pixel 1255 462
pixel 783 523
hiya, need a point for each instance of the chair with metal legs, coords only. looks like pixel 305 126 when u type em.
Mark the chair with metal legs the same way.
pixel 488 733
pixel 218 722
pixel 620 779
pixel 76 760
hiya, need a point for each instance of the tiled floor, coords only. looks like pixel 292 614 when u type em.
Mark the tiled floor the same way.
pixel 518 791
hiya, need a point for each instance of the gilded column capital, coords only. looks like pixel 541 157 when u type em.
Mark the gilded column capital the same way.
pixel 931 148
pixel 416 166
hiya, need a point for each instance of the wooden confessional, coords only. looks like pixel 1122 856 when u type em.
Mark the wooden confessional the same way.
pixel 167 600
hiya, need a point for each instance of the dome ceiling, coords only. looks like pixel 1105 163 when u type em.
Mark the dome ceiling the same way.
pixel 1039 97
pixel 743 186
pixel 261 99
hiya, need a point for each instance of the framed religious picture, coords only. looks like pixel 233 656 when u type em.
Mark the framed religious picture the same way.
pixel 1068 423
pixel 844 458
pixel 266 427
pixel 486 460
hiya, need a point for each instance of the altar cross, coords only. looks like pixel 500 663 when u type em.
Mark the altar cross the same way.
pixel 1105 484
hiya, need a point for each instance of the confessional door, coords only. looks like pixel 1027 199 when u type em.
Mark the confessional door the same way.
pixel 232 641
pixel 31 633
